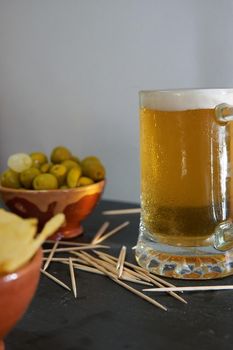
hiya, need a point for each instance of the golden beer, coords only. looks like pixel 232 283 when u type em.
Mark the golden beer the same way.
pixel 185 178
pixel 186 145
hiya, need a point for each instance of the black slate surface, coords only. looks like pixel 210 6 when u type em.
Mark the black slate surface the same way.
pixel 107 316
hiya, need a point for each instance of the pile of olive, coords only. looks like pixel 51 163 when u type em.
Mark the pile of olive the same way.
pixel 34 171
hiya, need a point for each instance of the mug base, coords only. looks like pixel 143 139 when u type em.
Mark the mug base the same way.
pixel 182 262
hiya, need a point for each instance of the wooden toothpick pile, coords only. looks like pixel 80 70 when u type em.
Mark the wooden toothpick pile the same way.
pixel 117 269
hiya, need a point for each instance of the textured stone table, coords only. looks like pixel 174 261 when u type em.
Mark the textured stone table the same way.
pixel 106 316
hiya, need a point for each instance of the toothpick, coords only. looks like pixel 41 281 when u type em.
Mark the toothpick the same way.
pixel 99 233
pixel 73 281
pixel 145 275
pixel 160 285
pixel 112 232
pixel 129 271
pixel 138 269
pixel 131 289
pixel 122 260
pixel 189 289
pixel 55 279
pixel 64 260
pixel 55 259
pixel 84 268
pixel 90 246
pixel 46 265
pixel 119 260
pixel 143 296
pixel 122 211
pixel 95 271
pixel 106 265
pixel 124 277
pixel 133 280
pixel 151 275
pixel 68 243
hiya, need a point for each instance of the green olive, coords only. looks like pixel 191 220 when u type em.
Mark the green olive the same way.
pixel 45 182
pixel 45 167
pixel 84 181
pixel 60 172
pixel 93 169
pixel 38 158
pixel 27 177
pixel 69 164
pixel 90 159
pixel 10 179
pixel 59 154
pixel 75 159
pixel 73 177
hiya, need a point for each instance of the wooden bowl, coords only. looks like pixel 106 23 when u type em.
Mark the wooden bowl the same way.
pixel 16 292
pixel 75 203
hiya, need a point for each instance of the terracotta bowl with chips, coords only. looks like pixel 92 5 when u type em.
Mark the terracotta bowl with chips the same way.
pixel 16 292
pixel 75 203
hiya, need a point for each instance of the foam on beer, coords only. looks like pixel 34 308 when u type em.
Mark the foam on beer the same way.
pixel 180 100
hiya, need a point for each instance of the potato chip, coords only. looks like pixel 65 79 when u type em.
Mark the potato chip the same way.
pixel 19 241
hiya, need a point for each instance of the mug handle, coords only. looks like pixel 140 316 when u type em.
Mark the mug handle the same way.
pixel 223 234
pixel 224 113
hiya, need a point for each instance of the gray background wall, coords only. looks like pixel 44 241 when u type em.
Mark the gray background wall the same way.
pixel 70 72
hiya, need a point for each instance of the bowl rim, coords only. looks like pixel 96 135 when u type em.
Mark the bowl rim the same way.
pixel 23 270
pixel 59 190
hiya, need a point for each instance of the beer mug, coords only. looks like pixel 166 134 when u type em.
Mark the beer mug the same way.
pixel 186 146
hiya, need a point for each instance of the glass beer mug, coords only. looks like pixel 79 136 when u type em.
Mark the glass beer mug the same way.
pixel 186 228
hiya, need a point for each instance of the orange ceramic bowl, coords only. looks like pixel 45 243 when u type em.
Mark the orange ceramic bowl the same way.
pixel 75 203
pixel 16 292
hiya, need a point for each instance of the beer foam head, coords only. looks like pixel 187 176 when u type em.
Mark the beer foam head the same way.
pixel 181 100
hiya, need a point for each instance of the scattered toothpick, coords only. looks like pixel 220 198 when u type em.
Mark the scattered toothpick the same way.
pixel 95 271
pixel 56 259
pixel 87 247
pixel 68 243
pixel 135 280
pixel 117 269
pixel 46 265
pixel 141 295
pixel 55 279
pixel 73 281
pixel 139 269
pixel 66 260
pixel 127 275
pixel 121 260
pixel 91 260
pixel 122 211
pixel 99 233
pixel 189 289
pixel 160 285
pixel 129 271
pixel 112 232
pixel 84 268
pixel 106 265
pixel 143 274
